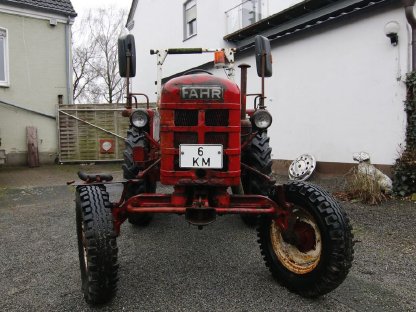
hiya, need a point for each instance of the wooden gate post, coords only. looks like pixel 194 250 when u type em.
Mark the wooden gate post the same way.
pixel 32 147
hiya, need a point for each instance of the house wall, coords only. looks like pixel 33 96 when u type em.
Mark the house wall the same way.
pixel 158 24
pixel 37 76
pixel 336 89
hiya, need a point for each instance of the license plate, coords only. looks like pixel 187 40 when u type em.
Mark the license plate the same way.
pixel 200 156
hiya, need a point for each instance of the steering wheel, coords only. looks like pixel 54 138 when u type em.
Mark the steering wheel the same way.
pixel 196 70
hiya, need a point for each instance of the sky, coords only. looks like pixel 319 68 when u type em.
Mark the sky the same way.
pixel 82 6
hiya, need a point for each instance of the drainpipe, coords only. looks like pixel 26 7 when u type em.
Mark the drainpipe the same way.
pixel 68 70
pixel 411 19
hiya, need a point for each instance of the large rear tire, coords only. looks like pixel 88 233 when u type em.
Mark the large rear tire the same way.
pixel 97 245
pixel 134 139
pixel 258 156
pixel 319 259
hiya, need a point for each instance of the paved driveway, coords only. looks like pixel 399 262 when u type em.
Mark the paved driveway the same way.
pixel 171 266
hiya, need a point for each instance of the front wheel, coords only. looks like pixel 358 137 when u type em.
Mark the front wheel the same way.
pixel 318 259
pixel 97 245
pixel 258 156
pixel 136 138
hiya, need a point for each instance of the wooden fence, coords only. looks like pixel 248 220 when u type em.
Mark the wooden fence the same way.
pixel 91 132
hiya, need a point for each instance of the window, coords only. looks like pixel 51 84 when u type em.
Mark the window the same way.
pixel 4 72
pixel 189 28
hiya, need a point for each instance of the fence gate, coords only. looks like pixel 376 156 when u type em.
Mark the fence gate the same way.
pixel 91 132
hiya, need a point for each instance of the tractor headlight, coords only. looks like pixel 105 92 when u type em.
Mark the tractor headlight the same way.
pixel 262 119
pixel 139 118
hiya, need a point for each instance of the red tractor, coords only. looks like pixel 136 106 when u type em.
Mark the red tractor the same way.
pixel 202 140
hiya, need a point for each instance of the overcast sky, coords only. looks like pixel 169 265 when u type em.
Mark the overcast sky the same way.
pixel 82 6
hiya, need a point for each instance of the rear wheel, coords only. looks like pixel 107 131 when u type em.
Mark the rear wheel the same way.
pixel 316 255
pixel 258 156
pixel 136 138
pixel 97 245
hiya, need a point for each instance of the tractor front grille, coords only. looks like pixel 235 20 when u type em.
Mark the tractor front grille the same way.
pixel 184 117
pixel 185 138
pixel 190 118
pixel 217 138
pixel 216 117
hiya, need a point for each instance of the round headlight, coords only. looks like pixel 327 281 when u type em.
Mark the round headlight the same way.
pixel 262 119
pixel 139 118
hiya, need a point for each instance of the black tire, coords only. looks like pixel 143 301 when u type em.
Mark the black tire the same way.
pixel 258 156
pixel 97 244
pixel 136 138
pixel 325 265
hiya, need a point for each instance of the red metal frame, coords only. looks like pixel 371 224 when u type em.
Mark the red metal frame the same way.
pixel 216 199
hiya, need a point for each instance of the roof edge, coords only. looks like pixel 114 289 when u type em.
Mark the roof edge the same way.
pixel 40 8
pixel 296 19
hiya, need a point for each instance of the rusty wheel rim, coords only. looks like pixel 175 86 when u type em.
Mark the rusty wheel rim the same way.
pixel 289 255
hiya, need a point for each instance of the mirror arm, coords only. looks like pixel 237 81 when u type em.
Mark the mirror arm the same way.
pixel 263 64
pixel 128 104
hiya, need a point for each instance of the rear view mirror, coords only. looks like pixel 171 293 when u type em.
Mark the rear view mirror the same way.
pixel 127 56
pixel 262 48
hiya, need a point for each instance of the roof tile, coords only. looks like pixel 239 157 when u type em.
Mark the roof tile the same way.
pixel 55 6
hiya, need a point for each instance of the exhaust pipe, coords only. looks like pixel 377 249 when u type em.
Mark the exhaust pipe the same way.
pixel 411 19
pixel 243 90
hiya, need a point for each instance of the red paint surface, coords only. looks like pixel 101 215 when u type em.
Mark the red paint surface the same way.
pixel 171 101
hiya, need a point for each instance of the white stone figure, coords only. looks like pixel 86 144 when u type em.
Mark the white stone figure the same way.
pixel 365 167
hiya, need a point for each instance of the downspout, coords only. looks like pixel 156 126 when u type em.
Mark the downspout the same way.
pixel 68 70
pixel 411 19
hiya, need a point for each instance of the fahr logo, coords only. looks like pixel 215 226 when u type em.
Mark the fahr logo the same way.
pixel 202 93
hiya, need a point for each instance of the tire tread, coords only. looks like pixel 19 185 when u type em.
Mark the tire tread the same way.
pixel 100 280
pixel 339 260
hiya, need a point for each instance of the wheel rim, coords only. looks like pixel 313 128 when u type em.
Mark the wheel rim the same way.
pixel 303 257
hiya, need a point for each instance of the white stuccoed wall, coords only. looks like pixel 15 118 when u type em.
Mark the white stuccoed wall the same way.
pixel 159 24
pixel 334 90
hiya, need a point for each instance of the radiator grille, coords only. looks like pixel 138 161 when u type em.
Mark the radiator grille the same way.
pixel 185 138
pixel 186 117
pixel 217 138
pixel 216 117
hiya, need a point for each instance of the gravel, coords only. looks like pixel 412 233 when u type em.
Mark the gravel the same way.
pixel 171 266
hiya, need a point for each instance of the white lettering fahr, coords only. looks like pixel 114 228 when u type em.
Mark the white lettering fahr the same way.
pixel 185 92
pixel 216 93
pixel 193 94
pixel 204 93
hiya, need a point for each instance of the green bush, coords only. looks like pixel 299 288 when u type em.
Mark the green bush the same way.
pixel 404 170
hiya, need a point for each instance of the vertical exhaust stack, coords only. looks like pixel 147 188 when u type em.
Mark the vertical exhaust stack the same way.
pixel 246 128
pixel 243 87
pixel 411 19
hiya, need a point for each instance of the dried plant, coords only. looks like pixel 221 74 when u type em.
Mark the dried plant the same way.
pixel 361 187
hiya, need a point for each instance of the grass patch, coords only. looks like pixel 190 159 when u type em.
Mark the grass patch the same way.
pixel 361 187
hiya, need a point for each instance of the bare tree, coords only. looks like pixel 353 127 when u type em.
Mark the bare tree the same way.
pixel 84 74
pixel 95 66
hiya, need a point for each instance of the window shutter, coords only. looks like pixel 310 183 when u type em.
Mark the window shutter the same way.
pixel 190 13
